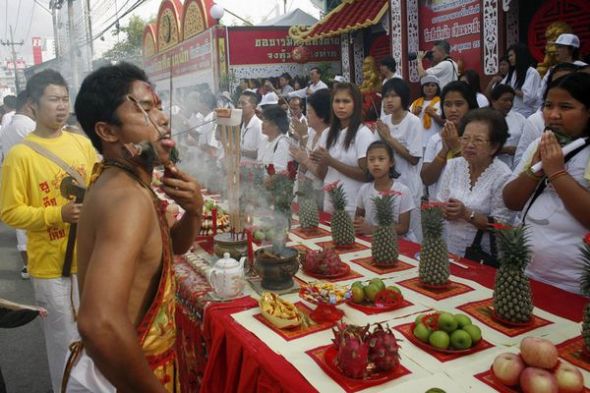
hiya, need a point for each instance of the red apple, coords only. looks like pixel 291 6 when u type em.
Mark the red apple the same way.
pixel 507 368
pixel 537 380
pixel 538 352
pixel 569 378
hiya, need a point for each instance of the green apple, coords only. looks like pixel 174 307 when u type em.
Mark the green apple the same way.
pixel 394 288
pixel 419 318
pixel 447 322
pixel 462 320
pixel 460 339
pixel 422 332
pixel 270 234
pixel 474 331
pixel 371 291
pixel 357 284
pixel 435 390
pixel 378 282
pixel 259 235
pixel 439 339
pixel 358 294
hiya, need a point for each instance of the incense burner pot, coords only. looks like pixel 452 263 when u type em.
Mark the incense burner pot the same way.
pixel 276 269
pixel 235 245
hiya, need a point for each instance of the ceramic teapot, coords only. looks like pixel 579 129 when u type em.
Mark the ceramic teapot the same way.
pixel 227 277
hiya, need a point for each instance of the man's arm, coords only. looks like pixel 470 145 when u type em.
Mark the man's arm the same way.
pixel 14 208
pixel 187 193
pixel 107 332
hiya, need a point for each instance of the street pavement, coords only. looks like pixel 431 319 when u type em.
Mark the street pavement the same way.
pixel 22 350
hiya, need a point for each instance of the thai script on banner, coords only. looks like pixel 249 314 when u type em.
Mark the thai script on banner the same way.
pixel 254 46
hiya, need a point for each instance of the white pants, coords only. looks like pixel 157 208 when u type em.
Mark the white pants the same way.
pixel 59 327
pixel 87 378
pixel 21 240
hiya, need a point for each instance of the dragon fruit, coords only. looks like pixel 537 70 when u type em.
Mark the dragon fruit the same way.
pixel 325 262
pixel 383 348
pixel 353 351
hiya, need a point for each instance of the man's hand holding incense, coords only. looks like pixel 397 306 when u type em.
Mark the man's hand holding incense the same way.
pixel 185 191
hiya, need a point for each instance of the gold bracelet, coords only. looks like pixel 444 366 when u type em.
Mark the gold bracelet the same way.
pixel 557 174
pixel 441 159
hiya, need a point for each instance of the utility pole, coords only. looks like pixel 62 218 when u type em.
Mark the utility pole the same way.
pixel 11 43
pixel 89 30
pixel 73 52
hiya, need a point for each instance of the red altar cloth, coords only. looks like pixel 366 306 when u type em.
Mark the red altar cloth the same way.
pixel 235 360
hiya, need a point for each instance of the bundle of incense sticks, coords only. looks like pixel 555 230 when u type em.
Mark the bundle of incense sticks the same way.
pixel 229 121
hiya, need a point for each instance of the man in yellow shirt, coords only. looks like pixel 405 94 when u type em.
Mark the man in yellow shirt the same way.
pixel 30 199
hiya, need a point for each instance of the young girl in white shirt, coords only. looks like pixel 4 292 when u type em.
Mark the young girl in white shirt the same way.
pixel 381 166
pixel 342 150
pixel 428 108
pixel 525 80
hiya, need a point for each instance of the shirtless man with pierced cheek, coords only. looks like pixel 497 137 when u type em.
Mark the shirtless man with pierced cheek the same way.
pixel 125 247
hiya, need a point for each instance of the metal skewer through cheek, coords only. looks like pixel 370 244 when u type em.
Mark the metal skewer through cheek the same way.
pixel 147 149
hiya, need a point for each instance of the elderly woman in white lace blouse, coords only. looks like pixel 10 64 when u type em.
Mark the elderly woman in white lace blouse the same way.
pixel 471 185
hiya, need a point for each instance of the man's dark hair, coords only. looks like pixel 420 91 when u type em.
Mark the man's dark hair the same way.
pixel 316 70
pixel 21 100
pixel 287 76
pixel 444 46
pixel 472 80
pixel 320 102
pixel 277 115
pixel 389 62
pixel 38 82
pixel 101 93
pixel 9 101
pixel 499 90
pixel 252 97
pixel 207 98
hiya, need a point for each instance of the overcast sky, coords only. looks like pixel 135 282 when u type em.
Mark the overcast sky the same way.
pixel 29 18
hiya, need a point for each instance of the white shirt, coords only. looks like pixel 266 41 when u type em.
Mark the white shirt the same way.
pixel 408 133
pixel 7 118
pixel 433 147
pixel 275 152
pixel 528 103
pixel 252 137
pixel 303 92
pixel 20 126
pixel 516 123
pixel 357 150
pixel 446 71
pixel 482 100
pixel 435 128
pixel 484 198
pixel 555 236
pixel 207 132
pixel 532 129
pixel 401 203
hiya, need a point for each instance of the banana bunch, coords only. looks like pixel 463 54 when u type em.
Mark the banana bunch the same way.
pixel 278 311
pixel 324 292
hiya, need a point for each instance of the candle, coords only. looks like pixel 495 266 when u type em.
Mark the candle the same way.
pixel 214 220
pixel 250 245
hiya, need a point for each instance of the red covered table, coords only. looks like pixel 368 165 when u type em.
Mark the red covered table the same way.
pixel 218 354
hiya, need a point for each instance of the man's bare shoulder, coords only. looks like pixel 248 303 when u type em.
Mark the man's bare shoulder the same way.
pixel 115 196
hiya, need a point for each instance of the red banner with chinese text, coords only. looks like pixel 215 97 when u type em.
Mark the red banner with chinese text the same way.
pixel 261 45
pixel 457 21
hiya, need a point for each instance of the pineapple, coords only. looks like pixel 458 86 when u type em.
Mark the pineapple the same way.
pixel 512 291
pixel 384 245
pixel 342 228
pixel 585 287
pixel 308 207
pixel 434 257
